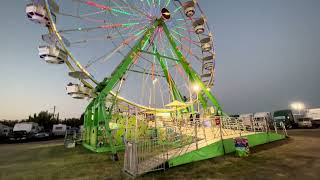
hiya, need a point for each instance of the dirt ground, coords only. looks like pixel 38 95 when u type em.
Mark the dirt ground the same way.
pixel 295 158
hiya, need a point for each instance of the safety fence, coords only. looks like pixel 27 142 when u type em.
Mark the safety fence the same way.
pixel 177 136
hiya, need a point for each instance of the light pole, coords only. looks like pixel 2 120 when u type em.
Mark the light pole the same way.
pixel 196 89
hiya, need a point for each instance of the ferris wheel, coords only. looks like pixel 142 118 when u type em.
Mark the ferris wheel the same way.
pixel 168 43
pixel 145 53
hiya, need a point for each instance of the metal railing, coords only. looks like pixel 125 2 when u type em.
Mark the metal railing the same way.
pixel 144 156
pixel 182 135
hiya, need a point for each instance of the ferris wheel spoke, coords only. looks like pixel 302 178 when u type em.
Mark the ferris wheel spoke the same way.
pixel 134 8
pixel 187 49
pixel 121 23
pixel 109 55
pixel 106 8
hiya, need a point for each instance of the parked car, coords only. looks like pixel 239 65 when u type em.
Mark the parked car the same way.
pixel 305 123
pixel 314 115
pixel 286 117
pixel 43 135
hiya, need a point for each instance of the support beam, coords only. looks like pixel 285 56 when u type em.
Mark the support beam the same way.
pixel 172 85
pixel 162 56
pixel 194 77
pixel 97 119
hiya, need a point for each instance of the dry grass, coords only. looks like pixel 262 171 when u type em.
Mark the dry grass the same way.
pixel 296 158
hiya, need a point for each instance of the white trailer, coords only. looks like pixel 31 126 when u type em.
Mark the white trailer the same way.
pixel 59 129
pixel 262 119
pixel 24 131
pixel 5 130
pixel 314 115
pixel 29 127
pixel 247 120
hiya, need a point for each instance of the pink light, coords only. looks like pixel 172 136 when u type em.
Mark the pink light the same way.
pixel 180 71
pixel 98 5
pixel 188 39
pixel 94 20
pixel 109 26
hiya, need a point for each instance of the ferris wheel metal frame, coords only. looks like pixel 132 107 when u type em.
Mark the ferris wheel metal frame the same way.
pixel 96 111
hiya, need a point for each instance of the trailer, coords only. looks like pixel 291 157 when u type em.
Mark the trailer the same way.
pixel 314 115
pixel 262 119
pixel 5 130
pixel 59 129
pixel 24 131
pixel 247 120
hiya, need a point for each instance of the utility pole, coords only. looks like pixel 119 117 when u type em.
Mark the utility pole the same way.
pixel 54 111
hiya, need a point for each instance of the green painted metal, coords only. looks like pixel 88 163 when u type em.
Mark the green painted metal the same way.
pixel 194 77
pixel 222 147
pixel 175 92
pixel 162 56
pixel 98 133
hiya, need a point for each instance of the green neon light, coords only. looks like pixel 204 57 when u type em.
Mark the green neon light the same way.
pixel 122 12
pixel 168 2
pixel 140 32
pixel 130 24
pixel 177 9
pixel 145 44
pixel 179 27
pixel 177 33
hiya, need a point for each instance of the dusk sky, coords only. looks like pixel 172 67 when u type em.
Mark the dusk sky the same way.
pixel 267 57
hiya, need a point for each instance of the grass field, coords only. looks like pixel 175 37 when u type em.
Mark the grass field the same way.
pixel 295 158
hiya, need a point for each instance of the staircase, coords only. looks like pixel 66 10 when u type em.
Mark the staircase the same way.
pixel 149 155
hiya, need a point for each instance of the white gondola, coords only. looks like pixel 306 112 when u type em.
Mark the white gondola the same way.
pixel 38 13
pixel 208 58
pixel 78 75
pixel 52 39
pixel 78 91
pixel 198 25
pixel 189 9
pixel 52 55
pixel 206 44
pixel 208 66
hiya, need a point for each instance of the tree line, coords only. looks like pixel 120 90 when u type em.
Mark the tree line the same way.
pixel 47 120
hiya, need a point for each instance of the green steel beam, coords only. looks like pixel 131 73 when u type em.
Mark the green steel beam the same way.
pixel 128 60
pixel 194 77
pixel 96 111
pixel 175 92
pixel 166 57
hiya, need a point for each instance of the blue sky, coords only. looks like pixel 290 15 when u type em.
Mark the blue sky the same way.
pixel 267 57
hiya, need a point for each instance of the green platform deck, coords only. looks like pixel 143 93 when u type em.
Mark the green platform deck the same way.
pixel 223 147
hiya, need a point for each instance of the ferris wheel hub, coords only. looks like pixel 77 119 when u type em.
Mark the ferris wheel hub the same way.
pixel 165 13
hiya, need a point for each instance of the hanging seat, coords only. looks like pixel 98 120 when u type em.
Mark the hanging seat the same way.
pixel 208 65
pixel 52 55
pixel 208 58
pixel 78 91
pixel 198 25
pixel 189 9
pixel 206 44
pixel 38 14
